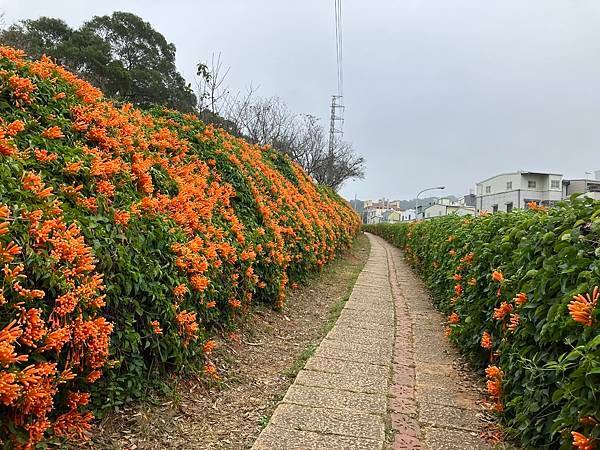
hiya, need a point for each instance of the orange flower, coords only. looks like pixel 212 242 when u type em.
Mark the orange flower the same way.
pixel 10 390
pixel 494 372
pixel 22 88
pixel 180 290
pixel 535 207
pixel 581 442
pixel 454 318
pixel 93 376
pixel 514 322
pixel 121 217
pixel 468 258
pixel 452 252
pixel 494 385
pixel 458 290
pixel 53 132
pixel 582 308
pixel 211 370
pixel 235 303
pixel 486 340
pixel 520 299
pixel 457 277
pixel 501 312
pixel 494 388
pixel 15 127
pixel 209 346
pixel 156 329
pixel 188 326
pixel 498 276
pixel 73 168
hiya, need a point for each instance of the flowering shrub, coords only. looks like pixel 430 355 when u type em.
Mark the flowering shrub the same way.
pixel 125 237
pixel 520 291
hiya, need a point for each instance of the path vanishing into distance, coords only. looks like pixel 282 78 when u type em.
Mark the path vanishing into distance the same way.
pixel 384 376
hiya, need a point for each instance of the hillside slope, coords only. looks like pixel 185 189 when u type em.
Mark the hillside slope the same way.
pixel 126 237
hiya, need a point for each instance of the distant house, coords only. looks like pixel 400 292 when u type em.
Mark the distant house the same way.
pixel 408 215
pixel 588 188
pixel 509 191
pixel 446 207
pixel 382 210
pixel 391 216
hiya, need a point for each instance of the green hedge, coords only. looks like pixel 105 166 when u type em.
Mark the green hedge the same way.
pixel 550 363
pixel 129 240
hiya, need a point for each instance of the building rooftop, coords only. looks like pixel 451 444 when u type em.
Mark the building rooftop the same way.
pixel 521 172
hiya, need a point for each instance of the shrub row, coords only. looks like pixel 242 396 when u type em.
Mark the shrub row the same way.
pixel 127 238
pixel 520 293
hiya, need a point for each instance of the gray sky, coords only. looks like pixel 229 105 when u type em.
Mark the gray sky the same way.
pixel 436 91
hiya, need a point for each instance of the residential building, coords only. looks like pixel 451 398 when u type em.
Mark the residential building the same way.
pixel 391 216
pixel 588 188
pixel 509 191
pixel 446 207
pixel 382 210
pixel 408 215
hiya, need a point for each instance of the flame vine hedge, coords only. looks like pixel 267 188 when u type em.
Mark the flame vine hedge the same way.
pixel 125 238
pixel 520 293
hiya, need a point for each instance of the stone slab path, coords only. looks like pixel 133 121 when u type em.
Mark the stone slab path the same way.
pixel 385 367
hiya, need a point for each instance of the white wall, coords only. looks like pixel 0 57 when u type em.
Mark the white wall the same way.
pixel 502 195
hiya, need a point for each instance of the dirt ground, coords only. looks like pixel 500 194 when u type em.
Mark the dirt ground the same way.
pixel 256 371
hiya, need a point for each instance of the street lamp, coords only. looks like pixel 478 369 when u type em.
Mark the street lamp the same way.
pixel 417 199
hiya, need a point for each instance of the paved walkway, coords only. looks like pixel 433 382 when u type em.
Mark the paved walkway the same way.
pixel 384 367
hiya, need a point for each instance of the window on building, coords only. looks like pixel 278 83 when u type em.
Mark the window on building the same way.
pixel 488 189
pixel 495 208
pixel 531 184
pixel 509 185
pixel 509 207
pixel 554 184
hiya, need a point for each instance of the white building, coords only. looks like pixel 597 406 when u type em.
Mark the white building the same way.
pixel 446 207
pixel 509 191
pixel 588 188
pixel 408 215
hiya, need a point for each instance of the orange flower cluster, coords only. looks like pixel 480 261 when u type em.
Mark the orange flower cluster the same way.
pixel 28 386
pixel 582 442
pixel 494 385
pixel 520 299
pixel 502 311
pixel 22 88
pixel 498 276
pixel 454 318
pixel 581 308
pixel 535 207
pixel 486 340
pixel 126 167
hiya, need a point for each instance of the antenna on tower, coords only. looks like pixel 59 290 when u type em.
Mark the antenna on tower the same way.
pixel 337 105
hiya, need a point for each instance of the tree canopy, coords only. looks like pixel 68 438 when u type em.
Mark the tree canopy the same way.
pixel 121 54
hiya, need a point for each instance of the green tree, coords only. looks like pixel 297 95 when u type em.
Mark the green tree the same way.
pixel 121 54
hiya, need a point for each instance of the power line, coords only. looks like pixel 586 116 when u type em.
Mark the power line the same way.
pixel 337 107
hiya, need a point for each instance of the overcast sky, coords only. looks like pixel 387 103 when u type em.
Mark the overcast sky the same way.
pixel 436 91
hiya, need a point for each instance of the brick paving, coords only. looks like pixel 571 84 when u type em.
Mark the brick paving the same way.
pixel 385 367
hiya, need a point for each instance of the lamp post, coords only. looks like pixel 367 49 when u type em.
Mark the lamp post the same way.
pixel 417 199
